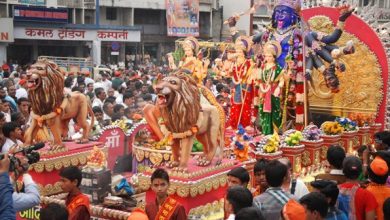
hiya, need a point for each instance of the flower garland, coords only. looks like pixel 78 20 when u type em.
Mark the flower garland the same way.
pixel 332 128
pixel 311 133
pixel 292 138
pixel 347 124
pixel 269 144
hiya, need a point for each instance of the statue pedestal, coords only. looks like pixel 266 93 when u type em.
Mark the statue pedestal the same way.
pixel 350 141
pixel 269 156
pixel 197 190
pixel 374 129
pixel 312 153
pixel 329 140
pixel 364 135
pixel 294 154
pixel 46 172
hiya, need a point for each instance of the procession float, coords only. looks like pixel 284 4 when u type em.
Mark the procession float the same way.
pixel 303 78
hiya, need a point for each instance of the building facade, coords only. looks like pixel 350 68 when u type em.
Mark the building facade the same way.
pixel 130 28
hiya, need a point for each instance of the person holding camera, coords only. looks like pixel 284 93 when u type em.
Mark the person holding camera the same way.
pixel 7 211
pixel 29 197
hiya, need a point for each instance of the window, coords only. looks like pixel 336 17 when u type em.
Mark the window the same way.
pixel 111 13
pixel 147 16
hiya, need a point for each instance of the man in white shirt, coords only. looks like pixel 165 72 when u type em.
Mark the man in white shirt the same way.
pixel 13 135
pixel 21 91
pixel 100 97
pixel 106 82
pixel 294 186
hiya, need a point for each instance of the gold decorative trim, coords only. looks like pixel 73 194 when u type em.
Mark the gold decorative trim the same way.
pixel 207 210
pixel 96 211
pixel 306 161
pixel 157 157
pixel 57 163
pixel 49 189
pixel 188 188
pixel 324 150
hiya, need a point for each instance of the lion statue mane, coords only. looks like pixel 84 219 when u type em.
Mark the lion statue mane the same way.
pixel 184 110
pixel 49 95
pixel 185 115
pixel 51 108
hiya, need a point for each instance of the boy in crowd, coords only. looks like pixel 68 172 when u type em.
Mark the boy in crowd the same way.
pixel 77 203
pixel 274 198
pixel 259 173
pixel 54 211
pixel 330 190
pixel 249 213
pixel 335 156
pixel 164 207
pixel 238 176
pixel 237 198
pixel 315 205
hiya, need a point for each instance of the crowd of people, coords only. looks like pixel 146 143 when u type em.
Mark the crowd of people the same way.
pixel 352 188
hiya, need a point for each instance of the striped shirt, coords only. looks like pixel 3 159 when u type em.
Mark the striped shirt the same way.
pixel 271 202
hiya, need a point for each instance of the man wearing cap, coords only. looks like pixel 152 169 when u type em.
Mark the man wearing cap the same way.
pixel 363 205
pixel 87 79
pixel 293 211
pixel 378 171
pixel 117 81
pixel 22 90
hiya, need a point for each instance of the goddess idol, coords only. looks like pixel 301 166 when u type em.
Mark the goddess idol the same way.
pixel 191 62
pixel 271 79
pixel 241 111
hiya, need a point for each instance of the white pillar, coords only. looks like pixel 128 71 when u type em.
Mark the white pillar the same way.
pixel 74 17
pixel 211 23
pixel 3 52
pixel 96 52
pixel 132 17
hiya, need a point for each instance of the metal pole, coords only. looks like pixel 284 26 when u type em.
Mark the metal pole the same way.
pixel 97 13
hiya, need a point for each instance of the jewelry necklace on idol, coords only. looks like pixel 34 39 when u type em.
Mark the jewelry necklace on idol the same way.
pixel 268 81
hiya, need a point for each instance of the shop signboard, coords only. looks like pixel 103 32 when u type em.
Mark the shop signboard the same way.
pixel 40 14
pixel 77 34
pixel 6 30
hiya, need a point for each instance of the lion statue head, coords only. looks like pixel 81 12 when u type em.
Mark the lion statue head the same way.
pixel 45 83
pixel 178 101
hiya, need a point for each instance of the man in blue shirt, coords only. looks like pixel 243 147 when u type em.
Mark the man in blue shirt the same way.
pixel 7 211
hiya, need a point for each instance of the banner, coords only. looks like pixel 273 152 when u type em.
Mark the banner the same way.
pixel 182 17
pixel 24 13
